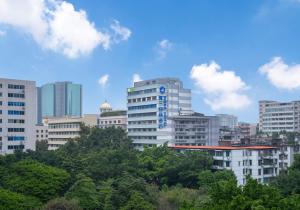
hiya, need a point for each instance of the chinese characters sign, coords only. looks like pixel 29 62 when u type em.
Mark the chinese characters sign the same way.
pixel 162 108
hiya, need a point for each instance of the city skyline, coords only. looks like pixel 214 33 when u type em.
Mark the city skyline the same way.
pixel 231 56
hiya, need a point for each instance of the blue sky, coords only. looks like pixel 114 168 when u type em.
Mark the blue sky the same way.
pixel 242 51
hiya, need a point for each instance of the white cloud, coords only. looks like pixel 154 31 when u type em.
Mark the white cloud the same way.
pixel 103 80
pixel 72 33
pixel 222 89
pixel 2 33
pixel 136 78
pixel 282 75
pixel 163 47
pixel 57 25
pixel 27 15
pixel 121 33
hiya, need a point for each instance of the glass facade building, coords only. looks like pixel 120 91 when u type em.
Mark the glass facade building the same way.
pixel 59 99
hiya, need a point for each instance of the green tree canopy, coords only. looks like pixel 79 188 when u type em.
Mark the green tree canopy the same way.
pixel 16 201
pixel 61 204
pixel 36 179
pixel 84 190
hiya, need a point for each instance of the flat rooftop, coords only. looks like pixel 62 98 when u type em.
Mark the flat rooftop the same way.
pixel 223 147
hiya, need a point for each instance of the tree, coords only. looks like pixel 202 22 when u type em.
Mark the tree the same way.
pixel 208 178
pixel 41 145
pixel 177 197
pixel 137 202
pixel 115 193
pixel 290 203
pixel 289 183
pixel 12 201
pixel 162 165
pixel 61 204
pixel 111 137
pixel 36 179
pixel 84 190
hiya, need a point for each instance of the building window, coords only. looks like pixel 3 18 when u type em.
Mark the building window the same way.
pixel 20 87
pixel 21 121
pixel 16 95
pixel 12 103
pixel 15 147
pixel 16 112
pixel 16 129
pixel 16 138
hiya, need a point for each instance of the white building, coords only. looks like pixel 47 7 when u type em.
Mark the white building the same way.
pixel 150 105
pixel 109 117
pixel 277 116
pixel 63 129
pixel 18 105
pixel 260 162
pixel 41 132
pixel 227 121
pixel 195 130
pixel 286 155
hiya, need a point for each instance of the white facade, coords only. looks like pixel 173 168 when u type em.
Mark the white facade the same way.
pixel 149 106
pixel 116 119
pixel 286 155
pixel 90 120
pixel 277 116
pixel 260 162
pixel 18 105
pixel 111 118
pixel 227 121
pixel 63 129
pixel 195 130
pixel 41 132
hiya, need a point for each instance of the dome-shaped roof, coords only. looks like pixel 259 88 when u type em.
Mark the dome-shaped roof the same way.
pixel 105 105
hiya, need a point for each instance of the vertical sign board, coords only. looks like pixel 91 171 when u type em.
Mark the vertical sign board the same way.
pixel 162 108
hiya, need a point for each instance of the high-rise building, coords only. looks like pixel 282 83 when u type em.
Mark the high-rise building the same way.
pixel 150 105
pixel 59 99
pixel 277 116
pixel 18 103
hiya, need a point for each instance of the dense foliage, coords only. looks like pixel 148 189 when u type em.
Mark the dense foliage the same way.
pixel 101 170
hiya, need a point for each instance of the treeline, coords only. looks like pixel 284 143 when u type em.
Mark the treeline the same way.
pixel 101 170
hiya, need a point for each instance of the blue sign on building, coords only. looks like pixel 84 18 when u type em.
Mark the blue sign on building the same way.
pixel 162 109
pixel 162 90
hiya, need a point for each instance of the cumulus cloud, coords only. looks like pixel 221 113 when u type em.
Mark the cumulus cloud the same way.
pixel 222 89
pixel 163 47
pixel 103 80
pixel 57 25
pixel 136 78
pixel 281 75
pixel 72 33
pixel 27 15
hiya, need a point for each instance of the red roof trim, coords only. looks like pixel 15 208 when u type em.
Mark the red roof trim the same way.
pixel 223 147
